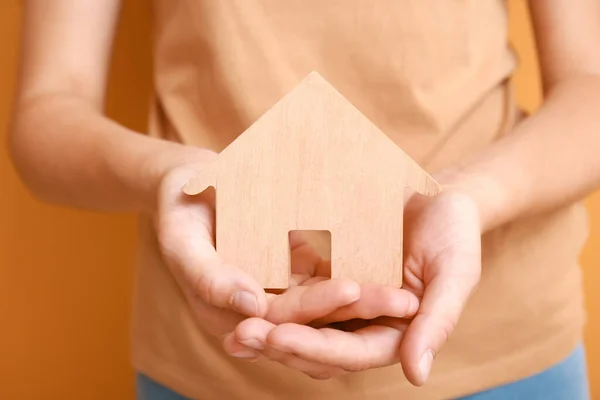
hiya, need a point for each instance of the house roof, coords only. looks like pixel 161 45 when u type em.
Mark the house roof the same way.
pixel 314 103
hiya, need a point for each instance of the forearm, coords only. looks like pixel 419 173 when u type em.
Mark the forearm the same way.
pixel 68 153
pixel 549 160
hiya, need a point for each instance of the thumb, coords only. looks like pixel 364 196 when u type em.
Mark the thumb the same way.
pixel 444 299
pixel 223 285
pixel 186 237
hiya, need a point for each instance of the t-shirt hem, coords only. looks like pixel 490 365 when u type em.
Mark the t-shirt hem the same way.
pixel 508 369
pixel 463 382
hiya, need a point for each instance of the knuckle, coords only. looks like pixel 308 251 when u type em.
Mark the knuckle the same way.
pixel 412 305
pixel 207 287
pixel 359 364
pixel 446 328
pixel 360 361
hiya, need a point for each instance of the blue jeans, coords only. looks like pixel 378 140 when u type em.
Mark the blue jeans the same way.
pixel 565 381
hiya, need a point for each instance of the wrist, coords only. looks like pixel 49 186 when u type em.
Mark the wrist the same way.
pixel 183 160
pixel 491 198
pixel 141 171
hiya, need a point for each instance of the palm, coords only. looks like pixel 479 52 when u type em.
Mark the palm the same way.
pixel 441 269
pixel 437 231
pixel 185 227
pixel 442 266
pixel 194 224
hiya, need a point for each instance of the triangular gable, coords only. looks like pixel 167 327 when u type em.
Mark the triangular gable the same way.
pixel 301 122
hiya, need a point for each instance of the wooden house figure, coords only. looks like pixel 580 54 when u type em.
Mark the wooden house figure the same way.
pixel 312 162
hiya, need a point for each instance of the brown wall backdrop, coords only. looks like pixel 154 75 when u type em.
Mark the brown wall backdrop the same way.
pixel 66 275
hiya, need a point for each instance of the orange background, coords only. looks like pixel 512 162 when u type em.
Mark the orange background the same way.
pixel 66 276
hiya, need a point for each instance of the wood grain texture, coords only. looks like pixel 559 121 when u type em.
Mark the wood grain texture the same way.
pixel 312 162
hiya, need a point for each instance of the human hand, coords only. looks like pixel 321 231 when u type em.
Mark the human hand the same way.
pixel 442 268
pixel 220 294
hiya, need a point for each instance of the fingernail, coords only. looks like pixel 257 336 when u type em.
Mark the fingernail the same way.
pixel 246 353
pixel 253 344
pixel 425 364
pixel 245 303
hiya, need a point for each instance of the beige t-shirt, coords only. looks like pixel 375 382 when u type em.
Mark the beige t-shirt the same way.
pixel 433 75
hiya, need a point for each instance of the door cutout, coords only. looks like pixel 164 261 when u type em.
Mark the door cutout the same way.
pixel 310 251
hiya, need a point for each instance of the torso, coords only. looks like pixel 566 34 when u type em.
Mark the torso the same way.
pixel 434 77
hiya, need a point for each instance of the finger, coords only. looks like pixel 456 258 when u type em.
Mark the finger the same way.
pixel 186 231
pixel 216 283
pixel 252 333
pixel 375 301
pixel 225 286
pixel 312 369
pixel 302 304
pixel 249 341
pixel 370 347
pixel 444 298
pixel 305 260
pixel 235 349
